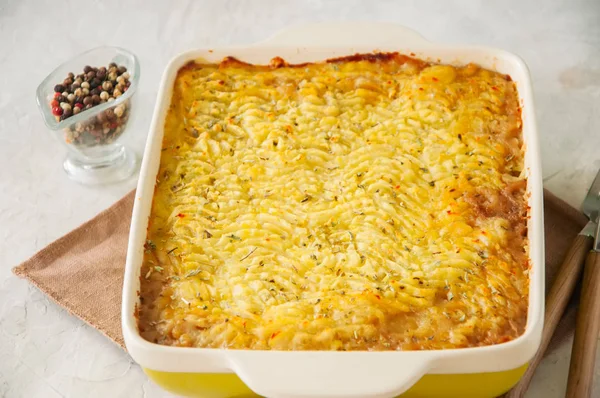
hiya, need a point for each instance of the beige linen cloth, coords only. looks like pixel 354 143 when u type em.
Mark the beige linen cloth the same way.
pixel 83 270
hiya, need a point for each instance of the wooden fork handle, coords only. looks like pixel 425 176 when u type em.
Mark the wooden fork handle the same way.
pixel 556 302
pixel 583 353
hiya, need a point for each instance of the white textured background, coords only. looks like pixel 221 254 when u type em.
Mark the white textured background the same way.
pixel 46 353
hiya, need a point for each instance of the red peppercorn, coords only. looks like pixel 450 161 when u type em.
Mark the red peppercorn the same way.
pixel 79 105
pixel 54 103
pixel 56 95
pixel 57 111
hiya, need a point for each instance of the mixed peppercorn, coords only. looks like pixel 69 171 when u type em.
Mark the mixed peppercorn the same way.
pixel 93 87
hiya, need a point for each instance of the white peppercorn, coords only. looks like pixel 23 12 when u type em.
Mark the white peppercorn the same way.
pixel 78 92
pixel 119 111
pixel 85 85
pixel 120 79
pixel 117 93
pixel 71 97
pixel 65 105
pixel 104 96
pixel 126 75
pixel 85 91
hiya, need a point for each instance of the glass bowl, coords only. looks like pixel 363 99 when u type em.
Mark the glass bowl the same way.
pixel 92 136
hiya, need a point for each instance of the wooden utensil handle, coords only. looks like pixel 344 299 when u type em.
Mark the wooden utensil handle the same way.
pixel 556 301
pixel 583 354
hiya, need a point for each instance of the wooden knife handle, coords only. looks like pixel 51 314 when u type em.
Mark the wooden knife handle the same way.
pixel 583 354
pixel 556 302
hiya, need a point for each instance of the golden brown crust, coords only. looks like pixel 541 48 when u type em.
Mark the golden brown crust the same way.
pixel 393 215
pixel 278 62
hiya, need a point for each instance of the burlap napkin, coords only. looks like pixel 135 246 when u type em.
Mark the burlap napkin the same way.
pixel 83 270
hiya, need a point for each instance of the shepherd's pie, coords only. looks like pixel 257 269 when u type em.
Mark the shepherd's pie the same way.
pixel 372 202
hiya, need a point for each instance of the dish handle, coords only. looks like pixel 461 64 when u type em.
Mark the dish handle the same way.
pixel 354 34
pixel 328 375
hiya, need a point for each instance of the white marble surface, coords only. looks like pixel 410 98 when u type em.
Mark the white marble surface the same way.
pixel 46 353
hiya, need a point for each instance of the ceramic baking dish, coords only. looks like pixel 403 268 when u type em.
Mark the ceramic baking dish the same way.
pixel 469 372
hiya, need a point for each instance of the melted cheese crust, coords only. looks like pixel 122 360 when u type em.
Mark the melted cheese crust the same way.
pixel 374 202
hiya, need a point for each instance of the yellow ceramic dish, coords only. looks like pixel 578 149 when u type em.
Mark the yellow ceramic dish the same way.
pixel 223 385
pixel 466 372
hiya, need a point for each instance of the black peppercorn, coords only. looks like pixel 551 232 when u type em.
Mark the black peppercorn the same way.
pixel 67 82
pixel 87 100
pixel 87 68
pixel 101 74
pixel 90 75
pixel 89 106
pixel 121 69
pixel 112 65
pixel 96 91
pixel 67 113
pixel 95 82
pixel 95 99
pixel 61 98
pixel 71 76
pixel 59 88
pixel 74 87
